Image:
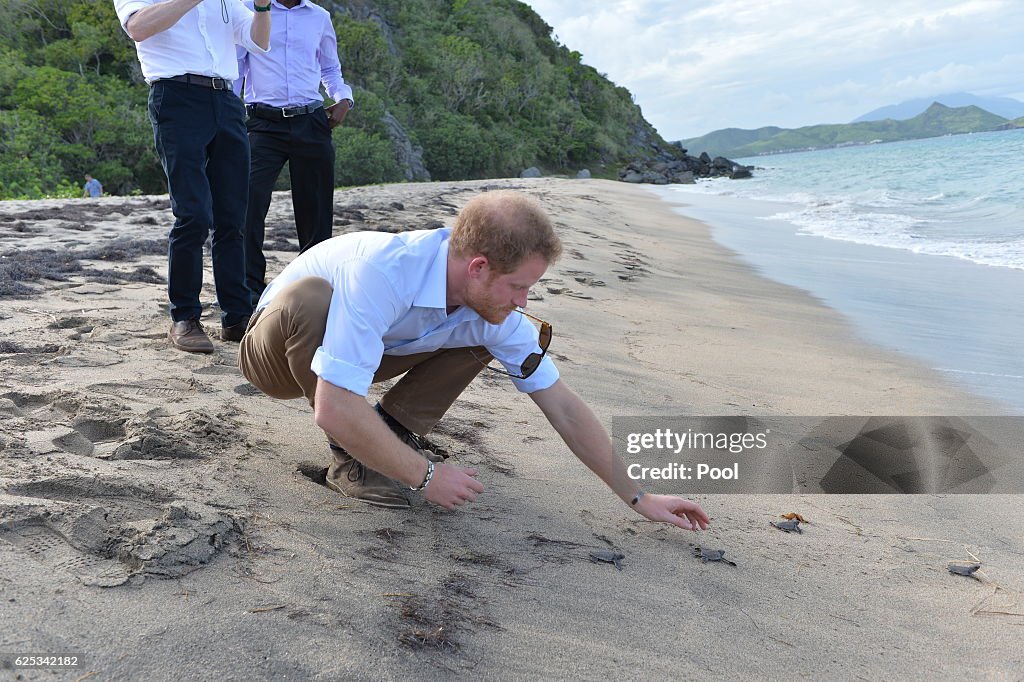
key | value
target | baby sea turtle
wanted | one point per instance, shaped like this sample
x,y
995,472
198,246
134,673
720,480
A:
x,y
605,557
706,555
963,569
788,526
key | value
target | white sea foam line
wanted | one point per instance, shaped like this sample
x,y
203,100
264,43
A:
x,y
984,374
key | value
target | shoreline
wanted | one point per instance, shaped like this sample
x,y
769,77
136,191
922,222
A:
x,y
157,514
935,310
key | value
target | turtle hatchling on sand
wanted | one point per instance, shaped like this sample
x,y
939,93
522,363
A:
x,y
790,526
963,569
606,557
706,555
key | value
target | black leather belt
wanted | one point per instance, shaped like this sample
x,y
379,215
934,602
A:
x,y
205,81
277,113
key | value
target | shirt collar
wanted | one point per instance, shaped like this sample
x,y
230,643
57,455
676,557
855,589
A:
x,y
302,3
434,292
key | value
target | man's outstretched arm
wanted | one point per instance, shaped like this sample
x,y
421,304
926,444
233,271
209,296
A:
x,y
581,430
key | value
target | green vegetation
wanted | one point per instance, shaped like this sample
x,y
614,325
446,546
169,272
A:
x,y
936,121
478,85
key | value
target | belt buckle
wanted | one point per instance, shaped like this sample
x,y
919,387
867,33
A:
x,y
218,83
285,114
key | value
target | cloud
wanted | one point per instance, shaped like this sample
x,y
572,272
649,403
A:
x,y
709,64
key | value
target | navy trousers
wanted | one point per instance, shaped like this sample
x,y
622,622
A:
x,y
305,143
203,147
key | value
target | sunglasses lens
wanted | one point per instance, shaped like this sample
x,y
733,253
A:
x,y
545,335
530,365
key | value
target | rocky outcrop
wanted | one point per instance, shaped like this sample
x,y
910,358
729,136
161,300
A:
x,y
409,156
531,172
683,170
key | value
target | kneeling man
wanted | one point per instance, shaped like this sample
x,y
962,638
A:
x,y
436,306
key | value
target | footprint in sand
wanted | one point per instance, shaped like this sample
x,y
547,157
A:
x,y
104,531
92,437
569,292
165,389
91,357
50,548
86,427
247,390
218,370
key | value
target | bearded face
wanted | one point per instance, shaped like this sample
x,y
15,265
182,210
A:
x,y
487,300
494,296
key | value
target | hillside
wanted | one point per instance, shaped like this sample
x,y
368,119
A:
x,y
1013,125
1006,107
935,121
444,89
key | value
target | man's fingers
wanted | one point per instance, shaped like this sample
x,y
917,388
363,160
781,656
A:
x,y
476,486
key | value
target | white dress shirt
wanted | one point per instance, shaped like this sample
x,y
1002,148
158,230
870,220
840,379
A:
x,y
390,297
200,42
305,54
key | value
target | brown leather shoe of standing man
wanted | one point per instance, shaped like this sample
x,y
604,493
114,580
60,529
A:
x,y
188,335
234,332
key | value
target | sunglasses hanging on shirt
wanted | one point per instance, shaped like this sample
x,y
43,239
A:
x,y
532,361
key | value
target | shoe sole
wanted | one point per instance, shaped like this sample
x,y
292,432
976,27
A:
x,y
376,503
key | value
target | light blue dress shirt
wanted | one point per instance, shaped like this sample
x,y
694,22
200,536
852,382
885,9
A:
x,y
305,53
390,297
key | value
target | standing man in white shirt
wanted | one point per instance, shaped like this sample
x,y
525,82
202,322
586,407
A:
x,y
436,306
187,52
288,123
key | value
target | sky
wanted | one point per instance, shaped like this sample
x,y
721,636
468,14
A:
x,y
695,66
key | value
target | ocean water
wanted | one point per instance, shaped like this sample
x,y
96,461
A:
x,y
919,243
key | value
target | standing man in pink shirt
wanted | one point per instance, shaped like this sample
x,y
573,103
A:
x,y
289,123
187,52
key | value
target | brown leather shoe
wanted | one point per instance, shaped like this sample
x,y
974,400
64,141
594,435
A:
x,y
349,477
234,332
188,335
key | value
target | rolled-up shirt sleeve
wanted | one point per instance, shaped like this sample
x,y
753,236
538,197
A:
x,y
241,27
330,65
126,8
363,307
514,348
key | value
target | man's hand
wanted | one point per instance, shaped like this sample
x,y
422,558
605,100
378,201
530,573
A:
x,y
452,486
675,510
336,113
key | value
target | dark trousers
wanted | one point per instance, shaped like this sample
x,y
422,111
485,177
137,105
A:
x,y
200,138
305,143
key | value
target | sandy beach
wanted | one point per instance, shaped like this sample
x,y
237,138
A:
x,y
162,519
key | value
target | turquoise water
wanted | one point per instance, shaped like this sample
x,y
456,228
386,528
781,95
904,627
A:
x,y
919,243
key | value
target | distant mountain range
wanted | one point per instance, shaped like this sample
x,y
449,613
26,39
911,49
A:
x,y
1000,106
935,121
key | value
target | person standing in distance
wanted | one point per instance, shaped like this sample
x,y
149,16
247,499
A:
x,y
288,123
92,187
187,52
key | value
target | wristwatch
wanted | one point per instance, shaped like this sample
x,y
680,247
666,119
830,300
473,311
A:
x,y
265,8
